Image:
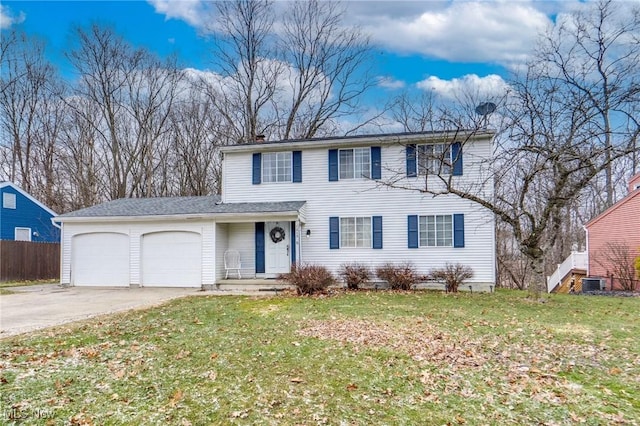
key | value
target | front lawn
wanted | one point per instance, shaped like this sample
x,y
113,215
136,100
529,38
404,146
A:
x,y
353,359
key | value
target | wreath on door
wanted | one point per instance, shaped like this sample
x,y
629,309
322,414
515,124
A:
x,y
277,234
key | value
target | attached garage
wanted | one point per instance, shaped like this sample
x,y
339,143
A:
x,y
100,259
171,259
159,242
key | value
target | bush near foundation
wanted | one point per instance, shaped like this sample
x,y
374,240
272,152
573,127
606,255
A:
x,y
453,275
355,274
399,277
309,279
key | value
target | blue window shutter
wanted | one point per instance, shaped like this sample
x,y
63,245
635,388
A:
x,y
377,232
293,242
411,161
456,157
376,163
297,166
412,231
334,232
259,247
458,230
333,165
257,168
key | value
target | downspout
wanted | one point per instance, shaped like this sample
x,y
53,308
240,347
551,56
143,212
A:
x,y
586,230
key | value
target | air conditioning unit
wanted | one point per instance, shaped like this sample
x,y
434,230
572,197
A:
x,y
592,284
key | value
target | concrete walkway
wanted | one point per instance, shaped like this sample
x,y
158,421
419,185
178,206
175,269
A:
x,y
41,306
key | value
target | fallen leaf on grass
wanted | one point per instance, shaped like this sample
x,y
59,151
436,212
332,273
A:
x,y
176,397
352,387
297,380
183,354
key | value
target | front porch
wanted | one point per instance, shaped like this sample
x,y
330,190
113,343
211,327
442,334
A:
x,y
252,250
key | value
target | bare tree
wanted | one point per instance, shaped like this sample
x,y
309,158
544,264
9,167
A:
x,y
196,134
618,260
553,143
596,53
133,93
328,72
246,57
28,85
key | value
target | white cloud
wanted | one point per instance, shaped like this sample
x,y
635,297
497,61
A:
x,y
8,18
481,87
190,11
461,31
390,83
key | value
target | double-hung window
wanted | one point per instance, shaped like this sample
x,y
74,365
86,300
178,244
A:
x,y
434,159
276,167
355,232
8,200
436,231
355,163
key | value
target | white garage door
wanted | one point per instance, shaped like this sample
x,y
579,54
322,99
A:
x,y
171,259
100,259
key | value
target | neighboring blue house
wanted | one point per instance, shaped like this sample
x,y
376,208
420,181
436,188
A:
x,y
23,218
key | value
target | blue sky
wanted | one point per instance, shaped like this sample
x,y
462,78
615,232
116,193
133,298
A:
x,y
421,45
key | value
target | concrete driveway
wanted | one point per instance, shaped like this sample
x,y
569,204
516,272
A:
x,y
42,306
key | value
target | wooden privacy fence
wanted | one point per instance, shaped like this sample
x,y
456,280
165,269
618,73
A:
x,y
25,260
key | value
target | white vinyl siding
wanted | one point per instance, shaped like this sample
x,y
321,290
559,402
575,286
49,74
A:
x,y
355,232
436,231
355,163
434,159
8,200
276,167
366,198
93,252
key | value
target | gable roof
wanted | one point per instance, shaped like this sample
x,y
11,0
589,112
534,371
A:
x,y
5,184
613,208
176,206
380,138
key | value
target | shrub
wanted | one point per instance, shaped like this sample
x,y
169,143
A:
x,y
355,274
400,277
309,279
452,275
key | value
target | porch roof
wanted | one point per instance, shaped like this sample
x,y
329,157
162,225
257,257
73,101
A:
x,y
178,207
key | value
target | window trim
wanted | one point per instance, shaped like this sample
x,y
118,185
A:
x,y
6,204
436,245
263,168
353,157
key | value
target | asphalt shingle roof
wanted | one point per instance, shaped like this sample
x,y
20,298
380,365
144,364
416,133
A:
x,y
163,206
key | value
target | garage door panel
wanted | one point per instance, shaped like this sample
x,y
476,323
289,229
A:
x,y
100,259
172,259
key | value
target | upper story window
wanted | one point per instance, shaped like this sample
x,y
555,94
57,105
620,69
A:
x,y
276,167
436,231
434,159
8,200
355,163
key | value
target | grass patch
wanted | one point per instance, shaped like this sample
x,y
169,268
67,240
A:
x,y
355,358
8,284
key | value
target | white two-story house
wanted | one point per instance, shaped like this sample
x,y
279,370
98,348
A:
x,y
324,201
